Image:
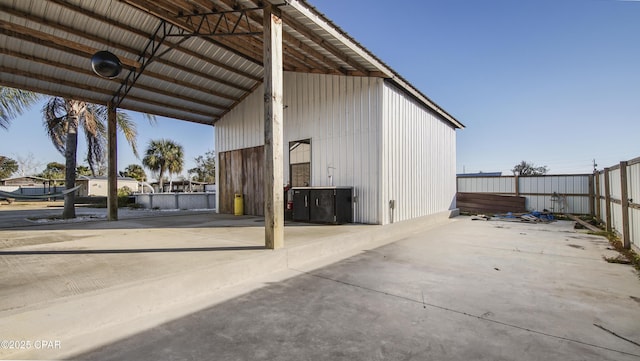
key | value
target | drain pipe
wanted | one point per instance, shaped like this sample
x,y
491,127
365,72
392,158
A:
x,y
392,206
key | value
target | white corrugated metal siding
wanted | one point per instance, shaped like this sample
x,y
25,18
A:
x,y
616,193
633,188
497,185
341,116
418,159
574,187
603,203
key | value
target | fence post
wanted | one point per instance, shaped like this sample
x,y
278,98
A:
x,y
517,185
607,199
626,238
598,204
591,196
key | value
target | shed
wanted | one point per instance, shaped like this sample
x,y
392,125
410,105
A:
x,y
25,181
97,186
369,133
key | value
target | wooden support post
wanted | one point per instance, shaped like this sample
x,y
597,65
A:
x,y
112,168
592,200
624,190
273,130
597,175
607,199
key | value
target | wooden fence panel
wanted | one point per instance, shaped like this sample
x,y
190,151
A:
x,y
573,190
490,203
242,171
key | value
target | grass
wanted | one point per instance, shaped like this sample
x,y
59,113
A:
x,y
625,256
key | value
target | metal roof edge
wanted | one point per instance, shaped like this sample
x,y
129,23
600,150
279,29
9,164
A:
x,y
426,101
329,26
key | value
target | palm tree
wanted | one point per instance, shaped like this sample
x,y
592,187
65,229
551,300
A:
x,y
13,102
164,156
63,118
134,171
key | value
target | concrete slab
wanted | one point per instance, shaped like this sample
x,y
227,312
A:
x,y
72,277
462,290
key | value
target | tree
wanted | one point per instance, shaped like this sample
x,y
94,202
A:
x,y
526,168
134,171
162,156
8,166
13,102
63,118
83,170
27,165
53,171
205,170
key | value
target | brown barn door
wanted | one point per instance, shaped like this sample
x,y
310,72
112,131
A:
x,y
242,171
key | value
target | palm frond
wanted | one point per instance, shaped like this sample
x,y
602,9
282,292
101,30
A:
x,y
150,118
55,122
128,128
14,102
95,150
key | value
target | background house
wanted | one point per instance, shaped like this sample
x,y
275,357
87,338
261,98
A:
x,y
97,186
25,181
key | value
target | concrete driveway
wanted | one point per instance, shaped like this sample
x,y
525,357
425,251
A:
x,y
468,290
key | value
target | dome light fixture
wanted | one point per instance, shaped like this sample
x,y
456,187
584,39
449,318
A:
x,y
106,64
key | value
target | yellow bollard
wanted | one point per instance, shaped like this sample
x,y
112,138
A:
x,y
238,205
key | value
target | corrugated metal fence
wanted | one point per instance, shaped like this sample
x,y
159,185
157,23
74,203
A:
x,y
608,195
616,190
558,193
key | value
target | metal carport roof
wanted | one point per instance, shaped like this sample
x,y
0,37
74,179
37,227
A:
x,y
46,46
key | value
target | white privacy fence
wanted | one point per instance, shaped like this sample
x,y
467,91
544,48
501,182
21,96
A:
x,y
617,200
611,195
194,200
558,193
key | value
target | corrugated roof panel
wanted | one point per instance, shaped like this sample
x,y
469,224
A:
x,y
174,102
83,26
49,88
169,112
208,69
206,98
223,56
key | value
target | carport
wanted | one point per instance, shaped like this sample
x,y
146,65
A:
x,y
189,60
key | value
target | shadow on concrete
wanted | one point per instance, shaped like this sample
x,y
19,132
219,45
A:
x,y
134,250
24,220
342,312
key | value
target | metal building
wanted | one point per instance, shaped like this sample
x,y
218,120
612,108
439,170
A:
x,y
265,73
368,133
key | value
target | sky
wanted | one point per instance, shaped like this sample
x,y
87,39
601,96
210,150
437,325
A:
x,y
550,82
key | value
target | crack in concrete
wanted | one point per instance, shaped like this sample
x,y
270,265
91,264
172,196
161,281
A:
x,y
421,302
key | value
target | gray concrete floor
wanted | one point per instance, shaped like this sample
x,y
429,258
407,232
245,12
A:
x,y
462,290
465,291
